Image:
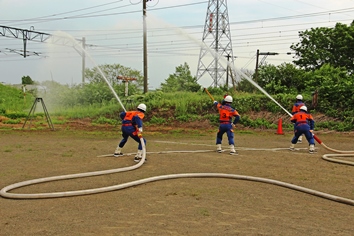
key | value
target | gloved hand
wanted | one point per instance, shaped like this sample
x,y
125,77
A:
x,y
140,135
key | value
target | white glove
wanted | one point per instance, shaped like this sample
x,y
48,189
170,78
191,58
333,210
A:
x,y
140,129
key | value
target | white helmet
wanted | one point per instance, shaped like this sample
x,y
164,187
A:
x,y
299,97
304,108
142,107
228,98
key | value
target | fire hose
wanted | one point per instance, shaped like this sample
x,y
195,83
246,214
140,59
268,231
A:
x,y
4,192
339,153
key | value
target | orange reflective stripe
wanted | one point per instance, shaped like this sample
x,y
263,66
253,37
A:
x,y
130,114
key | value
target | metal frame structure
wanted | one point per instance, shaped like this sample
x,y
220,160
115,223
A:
x,y
218,45
33,109
37,36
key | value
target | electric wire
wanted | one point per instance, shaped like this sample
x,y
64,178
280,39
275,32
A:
x,y
236,45
58,14
236,39
81,16
277,5
4,191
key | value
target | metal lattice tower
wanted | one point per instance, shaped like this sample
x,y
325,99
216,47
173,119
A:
x,y
217,51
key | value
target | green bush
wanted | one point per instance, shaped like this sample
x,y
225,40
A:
x,y
187,118
104,120
72,102
15,115
14,121
157,120
213,118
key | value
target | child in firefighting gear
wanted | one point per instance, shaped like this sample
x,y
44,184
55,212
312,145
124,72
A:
x,y
132,126
226,114
304,124
296,108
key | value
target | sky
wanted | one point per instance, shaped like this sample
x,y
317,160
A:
x,y
113,33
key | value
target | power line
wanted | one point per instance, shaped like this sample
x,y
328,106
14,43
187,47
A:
x,y
63,13
183,42
47,19
260,38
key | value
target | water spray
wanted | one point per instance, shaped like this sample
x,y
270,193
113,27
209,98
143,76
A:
x,y
4,192
212,52
77,45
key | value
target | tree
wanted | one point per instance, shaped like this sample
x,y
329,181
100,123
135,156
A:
x,y
322,45
335,88
111,72
244,84
285,78
27,80
181,80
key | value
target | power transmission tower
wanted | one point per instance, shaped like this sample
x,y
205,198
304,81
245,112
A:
x,y
217,44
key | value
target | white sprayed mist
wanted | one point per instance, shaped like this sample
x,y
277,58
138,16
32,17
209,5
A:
x,y
204,46
78,47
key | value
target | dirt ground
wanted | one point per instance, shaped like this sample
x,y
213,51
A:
x,y
184,206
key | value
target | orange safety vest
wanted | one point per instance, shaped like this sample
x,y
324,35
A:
x,y
226,113
129,115
301,117
296,107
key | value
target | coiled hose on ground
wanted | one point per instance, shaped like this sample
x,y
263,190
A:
x,y
331,157
5,191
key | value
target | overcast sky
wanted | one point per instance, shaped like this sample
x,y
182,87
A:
x,y
113,31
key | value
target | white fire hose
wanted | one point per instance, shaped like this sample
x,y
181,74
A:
x,y
5,191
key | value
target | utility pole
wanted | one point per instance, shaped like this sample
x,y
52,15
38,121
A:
x,y
229,71
145,48
265,54
126,80
256,72
83,59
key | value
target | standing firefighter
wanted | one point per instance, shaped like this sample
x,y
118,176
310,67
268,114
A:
x,y
304,124
132,126
226,113
296,108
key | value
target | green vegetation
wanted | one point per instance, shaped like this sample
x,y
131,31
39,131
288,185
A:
x,y
13,102
181,80
27,80
323,66
168,108
320,46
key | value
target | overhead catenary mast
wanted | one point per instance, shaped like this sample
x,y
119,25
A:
x,y
217,37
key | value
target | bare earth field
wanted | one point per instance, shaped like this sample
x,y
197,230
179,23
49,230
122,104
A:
x,y
185,206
